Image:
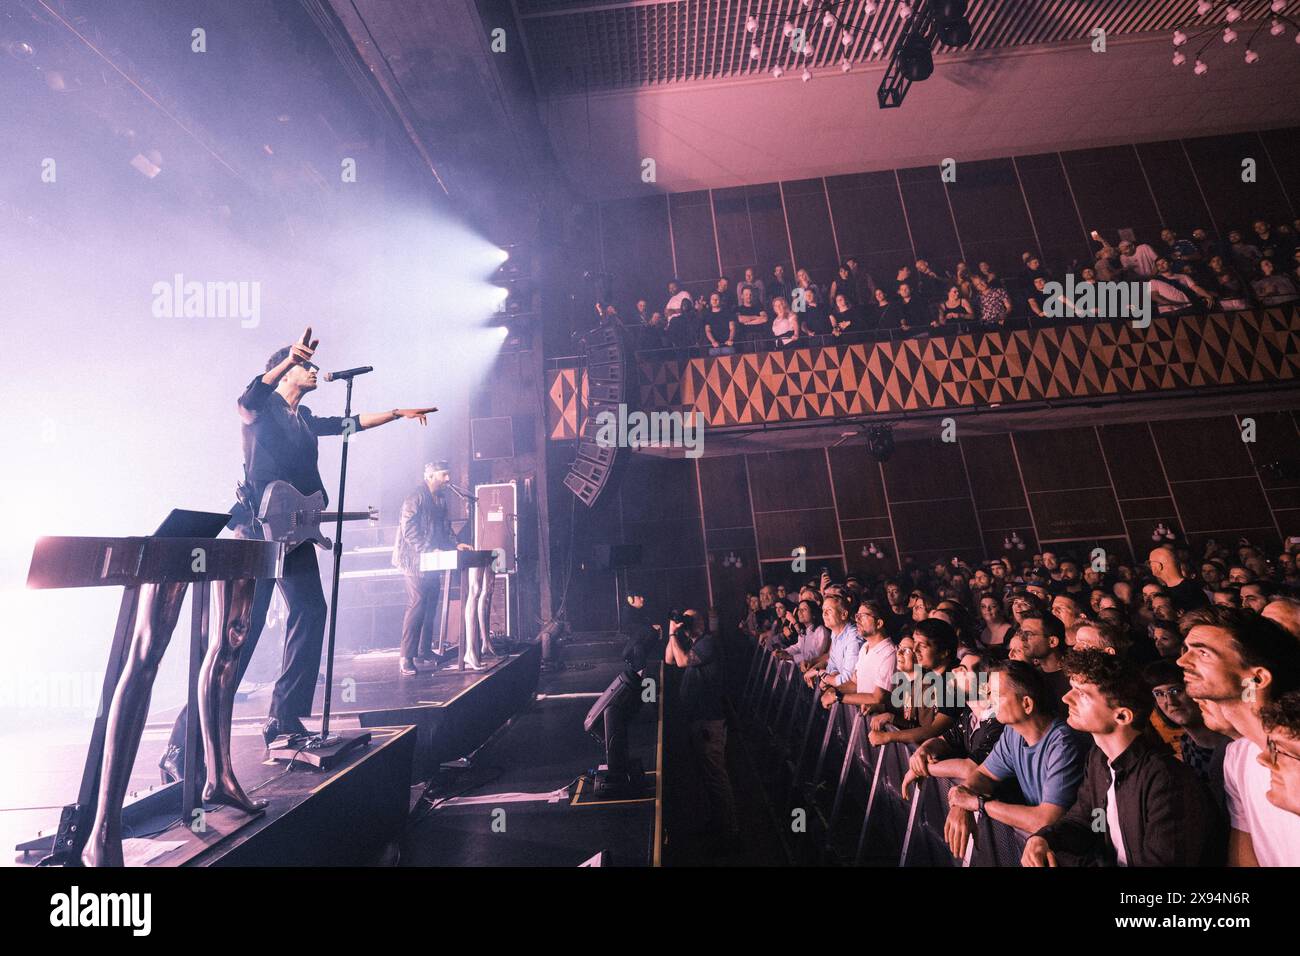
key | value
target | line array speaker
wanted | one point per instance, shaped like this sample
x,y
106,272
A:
x,y
606,365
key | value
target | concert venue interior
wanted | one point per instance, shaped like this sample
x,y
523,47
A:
x,y
807,432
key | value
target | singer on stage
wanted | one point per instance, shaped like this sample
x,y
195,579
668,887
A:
x,y
280,443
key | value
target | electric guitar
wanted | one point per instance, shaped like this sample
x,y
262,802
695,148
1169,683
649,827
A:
x,y
290,517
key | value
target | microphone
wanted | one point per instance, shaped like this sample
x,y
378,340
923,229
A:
x,y
347,373
460,491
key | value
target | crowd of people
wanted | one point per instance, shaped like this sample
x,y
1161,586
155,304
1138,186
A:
x,y
1117,714
1195,273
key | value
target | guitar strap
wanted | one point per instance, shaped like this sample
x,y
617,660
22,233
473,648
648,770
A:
x,y
243,515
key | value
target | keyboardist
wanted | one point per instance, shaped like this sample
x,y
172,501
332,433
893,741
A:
x,y
424,526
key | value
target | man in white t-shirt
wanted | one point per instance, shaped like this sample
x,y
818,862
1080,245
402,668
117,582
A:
x,y
873,677
677,300
1243,662
1138,259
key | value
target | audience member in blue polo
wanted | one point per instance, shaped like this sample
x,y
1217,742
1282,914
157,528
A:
x,y
1041,752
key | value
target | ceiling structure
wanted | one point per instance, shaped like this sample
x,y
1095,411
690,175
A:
x,y
625,81
579,46
582,92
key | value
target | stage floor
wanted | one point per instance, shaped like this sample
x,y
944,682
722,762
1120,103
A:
x,y
509,808
51,763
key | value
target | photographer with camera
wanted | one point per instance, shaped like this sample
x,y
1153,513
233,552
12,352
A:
x,y
700,700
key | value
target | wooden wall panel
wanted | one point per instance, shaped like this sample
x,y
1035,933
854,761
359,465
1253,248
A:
x,y
725,489
735,236
1111,191
789,480
935,500
991,464
1174,187
859,491
1199,448
767,225
780,532
637,249
1283,147
693,239
1060,458
810,229
869,222
1235,204
1061,235
929,216
1135,467
924,471
990,213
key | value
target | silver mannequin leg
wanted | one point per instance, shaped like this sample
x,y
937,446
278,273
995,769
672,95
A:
x,y
218,681
159,609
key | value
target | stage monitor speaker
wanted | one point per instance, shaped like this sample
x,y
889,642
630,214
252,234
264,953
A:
x,y
491,438
495,525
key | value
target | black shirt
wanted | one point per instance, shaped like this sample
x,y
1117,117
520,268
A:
x,y
683,330
1187,595
1166,816
815,319
701,688
425,525
719,324
777,288
279,444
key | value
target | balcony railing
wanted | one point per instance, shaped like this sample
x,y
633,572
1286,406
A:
x,y
940,371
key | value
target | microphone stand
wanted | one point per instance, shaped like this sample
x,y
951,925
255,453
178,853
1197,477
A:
x,y
325,750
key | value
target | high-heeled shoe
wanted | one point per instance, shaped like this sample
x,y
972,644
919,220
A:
x,y
172,765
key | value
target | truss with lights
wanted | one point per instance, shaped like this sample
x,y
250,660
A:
x,y
912,60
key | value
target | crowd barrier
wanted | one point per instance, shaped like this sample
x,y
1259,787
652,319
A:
x,y
843,795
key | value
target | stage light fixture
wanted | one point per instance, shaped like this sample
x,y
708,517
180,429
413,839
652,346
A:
x,y
914,60
954,28
880,442
955,33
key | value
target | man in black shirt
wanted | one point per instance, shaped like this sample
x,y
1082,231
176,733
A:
x,y
700,698
1185,593
719,322
280,444
424,526
1044,637
1137,805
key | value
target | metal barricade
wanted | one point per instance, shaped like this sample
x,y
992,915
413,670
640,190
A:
x,y
910,832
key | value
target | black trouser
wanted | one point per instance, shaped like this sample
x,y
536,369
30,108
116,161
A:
x,y
421,619
304,634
